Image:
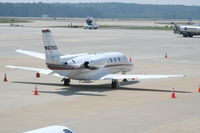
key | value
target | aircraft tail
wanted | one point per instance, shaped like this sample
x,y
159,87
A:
x,y
52,55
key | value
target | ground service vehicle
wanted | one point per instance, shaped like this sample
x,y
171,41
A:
x,y
90,23
187,30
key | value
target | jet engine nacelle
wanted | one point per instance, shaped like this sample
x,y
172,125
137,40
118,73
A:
x,y
94,64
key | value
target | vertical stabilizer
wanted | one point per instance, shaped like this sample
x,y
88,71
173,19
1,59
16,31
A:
x,y
52,54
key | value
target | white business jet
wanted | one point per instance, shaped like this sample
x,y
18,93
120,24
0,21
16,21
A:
x,y
84,67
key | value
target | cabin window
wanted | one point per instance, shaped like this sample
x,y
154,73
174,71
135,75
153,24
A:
x,y
110,59
115,59
119,58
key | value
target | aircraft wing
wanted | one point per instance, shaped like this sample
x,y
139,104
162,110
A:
x,y
135,77
104,77
40,70
31,53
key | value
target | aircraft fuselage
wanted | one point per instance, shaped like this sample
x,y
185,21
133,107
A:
x,y
92,66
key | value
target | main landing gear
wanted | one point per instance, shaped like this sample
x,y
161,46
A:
x,y
115,83
66,81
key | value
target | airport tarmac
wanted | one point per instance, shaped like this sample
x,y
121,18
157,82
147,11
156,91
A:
x,y
135,107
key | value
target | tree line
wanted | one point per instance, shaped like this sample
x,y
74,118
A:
x,y
100,10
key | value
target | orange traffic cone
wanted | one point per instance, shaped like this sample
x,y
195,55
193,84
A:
x,y
166,55
35,92
5,78
199,89
37,75
173,94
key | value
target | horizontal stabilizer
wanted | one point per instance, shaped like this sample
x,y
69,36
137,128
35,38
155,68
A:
x,y
42,56
31,53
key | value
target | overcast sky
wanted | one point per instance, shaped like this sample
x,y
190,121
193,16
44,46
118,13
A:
x,y
180,2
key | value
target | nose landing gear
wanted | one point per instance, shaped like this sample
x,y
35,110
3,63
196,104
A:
x,y
66,81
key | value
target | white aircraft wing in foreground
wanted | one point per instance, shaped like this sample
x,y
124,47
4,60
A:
x,y
98,66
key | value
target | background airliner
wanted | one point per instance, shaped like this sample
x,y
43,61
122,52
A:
x,y
84,66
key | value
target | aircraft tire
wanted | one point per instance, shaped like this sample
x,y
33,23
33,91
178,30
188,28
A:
x,y
66,82
115,83
190,35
